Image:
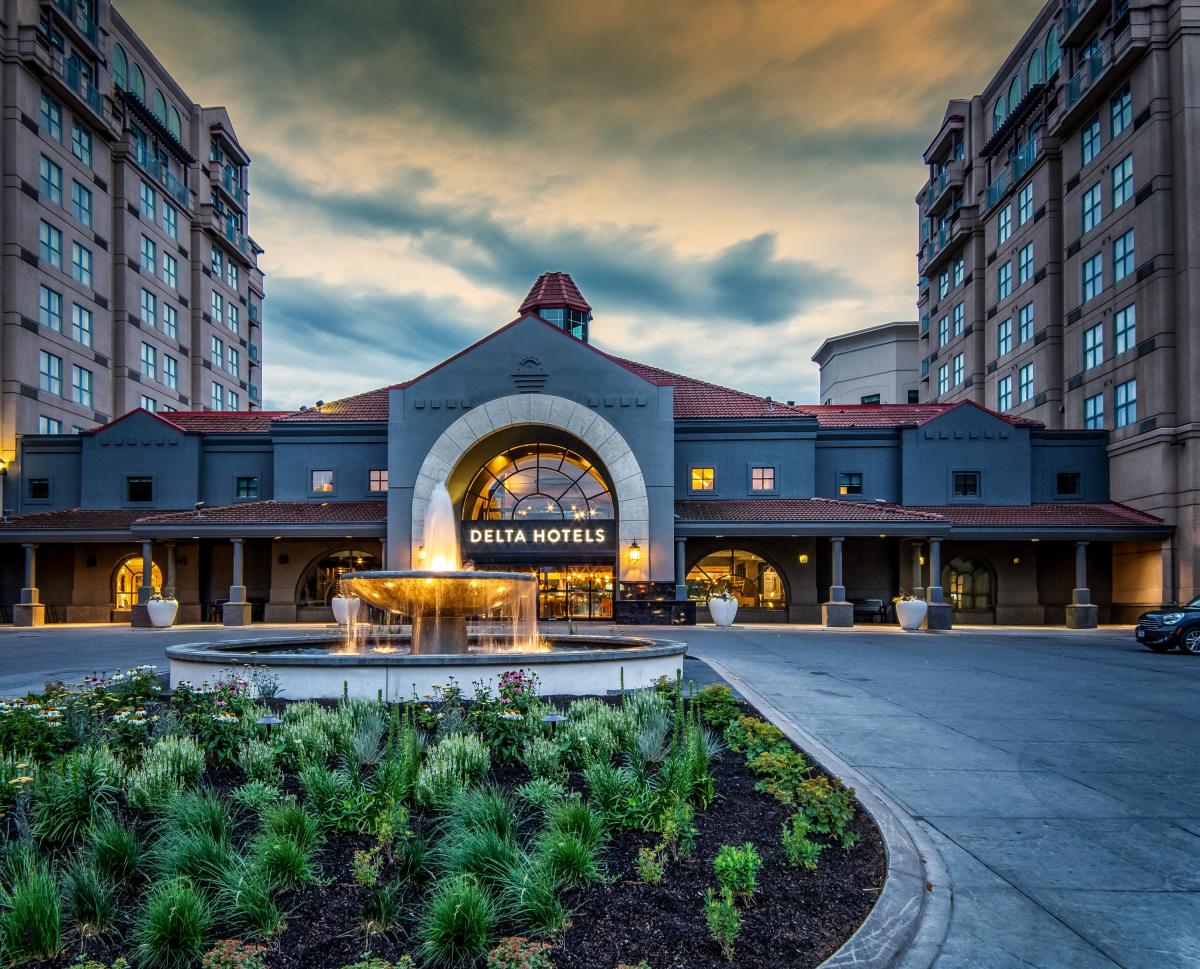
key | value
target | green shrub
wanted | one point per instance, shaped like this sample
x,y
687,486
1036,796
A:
x,y
800,850
257,759
572,816
458,923
382,910
199,812
529,896
114,852
70,795
540,793
641,706
149,788
611,790
737,870
409,857
828,806
484,853
234,954
286,863
88,898
723,919
244,901
569,859
544,760
194,855
254,796
290,820
751,736
31,922
451,765
377,963
171,928
651,865
718,706
514,952
181,755
483,809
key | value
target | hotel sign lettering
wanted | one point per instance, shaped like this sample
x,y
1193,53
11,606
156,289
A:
x,y
504,539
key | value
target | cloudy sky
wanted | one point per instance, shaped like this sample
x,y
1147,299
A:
x,y
729,181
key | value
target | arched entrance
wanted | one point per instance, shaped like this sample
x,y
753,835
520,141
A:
x,y
127,579
970,587
755,582
319,582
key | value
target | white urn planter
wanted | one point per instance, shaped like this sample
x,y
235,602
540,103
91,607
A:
x,y
911,613
722,610
345,609
162,612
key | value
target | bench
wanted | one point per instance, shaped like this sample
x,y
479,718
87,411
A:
x,y
874,609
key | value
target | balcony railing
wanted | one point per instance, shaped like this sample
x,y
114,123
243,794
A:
x,y
252,351
163,174
237,238
77,13
999,186
252,392
1076,9
252,312
79,81
1023,160
1086,76
232,186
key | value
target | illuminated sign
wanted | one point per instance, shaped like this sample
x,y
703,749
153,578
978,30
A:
x,y
508,539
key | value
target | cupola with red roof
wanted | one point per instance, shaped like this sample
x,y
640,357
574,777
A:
x,y
556,299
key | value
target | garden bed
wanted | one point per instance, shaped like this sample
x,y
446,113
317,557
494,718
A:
x,y
569,834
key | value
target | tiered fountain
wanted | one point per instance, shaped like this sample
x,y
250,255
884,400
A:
x,y
441,622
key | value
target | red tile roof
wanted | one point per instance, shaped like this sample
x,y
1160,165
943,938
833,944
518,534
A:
x,y
225,422
553,290
700,399
1064,514
77,519
371,405
796,510
896,415
277,513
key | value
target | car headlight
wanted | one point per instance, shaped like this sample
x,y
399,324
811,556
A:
x,y
1171,618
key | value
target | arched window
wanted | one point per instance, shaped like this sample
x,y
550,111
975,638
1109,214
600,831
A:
x,y
753,580
128,579
1034,74
969,584
319,583
538,482
174,125
137,82
1053,53
1014,93
120,66
160,106
998,113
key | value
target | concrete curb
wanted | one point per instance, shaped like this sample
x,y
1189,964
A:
x,y
908,924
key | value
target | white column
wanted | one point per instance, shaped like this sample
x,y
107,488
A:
x,y
837,591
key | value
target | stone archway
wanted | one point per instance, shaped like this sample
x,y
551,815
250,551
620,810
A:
x,y
523,410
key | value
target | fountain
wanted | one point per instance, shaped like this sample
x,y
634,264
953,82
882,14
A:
x,y
442,622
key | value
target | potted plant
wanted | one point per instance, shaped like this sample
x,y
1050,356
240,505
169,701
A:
x,y
162,610
722,606
910,611
345,609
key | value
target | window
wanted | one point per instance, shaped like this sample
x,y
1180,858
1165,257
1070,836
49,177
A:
x,y
1033,74
139,489
1025,383
218,307
1093,346
958,369
914,396
170,376
1025,204
1125,329
1121,108
1093,210
149,256
1123,256
869,399
750,579
232,317
943,284
170,270
1093,277
1004,225
50,373
170,321
217,262
81,325
377,480
231,274
943,331
50,180
999,109
1053,52
1004,338
149,199
81,263
51,117
1014,93
160,106
1122,182
762,479
120,66
149,308
959,319
1093,413
170,221
233,401
960,266
1125,404
137,82
1090,141
50,245
81,385
966,484
537,481
1025,323
850,483
81,143
233,361
1004,281
217,352
48,425
703,479
1025,264
50,309
944,378
39,489
81,203
322,482
217,398
247,486
149,361
1004,394
1067,484
174,124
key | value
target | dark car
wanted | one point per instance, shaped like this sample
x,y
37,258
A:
x,y
1171,626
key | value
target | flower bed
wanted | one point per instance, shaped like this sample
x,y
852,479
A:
x,y
223,826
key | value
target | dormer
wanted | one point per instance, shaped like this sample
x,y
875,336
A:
x,y
557,300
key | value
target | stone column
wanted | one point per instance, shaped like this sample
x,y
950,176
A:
x,y
139,615
236,612
169,584
837,611
1081,614
681,592
29,611
918,586
941,613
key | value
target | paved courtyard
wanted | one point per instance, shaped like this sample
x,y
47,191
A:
x,y
1057,772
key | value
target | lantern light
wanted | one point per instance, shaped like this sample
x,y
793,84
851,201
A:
x,y
635,553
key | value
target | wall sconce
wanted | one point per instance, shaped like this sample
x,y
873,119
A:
x,y
804,558
920,559
421,554
634,553
1016,560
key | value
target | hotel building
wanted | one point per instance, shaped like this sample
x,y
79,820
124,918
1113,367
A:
x,y
129,279
1059,269
631,492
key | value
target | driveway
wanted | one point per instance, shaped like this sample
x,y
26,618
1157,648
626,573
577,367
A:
x,y
1057,772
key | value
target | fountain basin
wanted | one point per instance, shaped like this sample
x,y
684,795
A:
x,y
319,667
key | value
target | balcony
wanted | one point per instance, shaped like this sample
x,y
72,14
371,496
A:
x,y
252,392
999,188
939,249
948,183
226,179
77,16
252,312
252,352
155,168
1023,160
1085,90
1080,18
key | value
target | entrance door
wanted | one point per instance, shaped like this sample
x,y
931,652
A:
x,y
570,592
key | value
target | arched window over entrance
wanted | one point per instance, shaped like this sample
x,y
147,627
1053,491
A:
x,y
969,585
538,482
756,583
319,584
128,579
